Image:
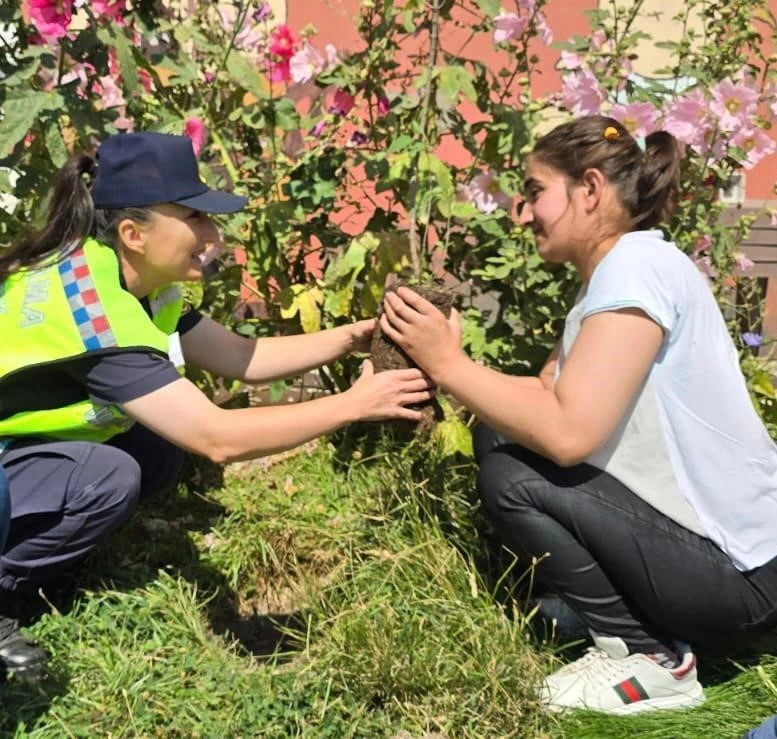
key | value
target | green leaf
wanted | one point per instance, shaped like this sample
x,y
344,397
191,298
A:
x,y
20,111
56,144
490,7
116,39
453,437
243,72
454,81
305,300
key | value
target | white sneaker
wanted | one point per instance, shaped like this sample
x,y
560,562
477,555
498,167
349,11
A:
x,y
611,680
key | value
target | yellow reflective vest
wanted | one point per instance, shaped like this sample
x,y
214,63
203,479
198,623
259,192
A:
x,y
68,309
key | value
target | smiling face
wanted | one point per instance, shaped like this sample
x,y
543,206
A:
x,y
551,210
170,247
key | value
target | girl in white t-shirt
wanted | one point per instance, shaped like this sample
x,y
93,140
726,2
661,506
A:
x,y
633,470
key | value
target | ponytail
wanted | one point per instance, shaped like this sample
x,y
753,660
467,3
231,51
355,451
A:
x,y
658,181
69,222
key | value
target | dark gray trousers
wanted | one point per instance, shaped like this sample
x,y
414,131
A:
x,y
625,568
66,496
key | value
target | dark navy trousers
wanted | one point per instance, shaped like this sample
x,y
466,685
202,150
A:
x,y
66,496
625,568
5,509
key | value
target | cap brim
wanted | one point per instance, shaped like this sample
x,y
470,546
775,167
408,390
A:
x,y
214,201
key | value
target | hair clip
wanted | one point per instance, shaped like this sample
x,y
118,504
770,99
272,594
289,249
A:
x,y
640,141
611,133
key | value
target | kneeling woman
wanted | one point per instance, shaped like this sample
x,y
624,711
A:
x,y
93,331
634,469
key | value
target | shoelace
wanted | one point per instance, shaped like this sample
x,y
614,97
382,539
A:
x,y
592,654
605,671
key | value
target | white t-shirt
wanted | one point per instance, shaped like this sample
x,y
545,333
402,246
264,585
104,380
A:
x,y
691,443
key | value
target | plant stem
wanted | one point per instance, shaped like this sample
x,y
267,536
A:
x,y
415,259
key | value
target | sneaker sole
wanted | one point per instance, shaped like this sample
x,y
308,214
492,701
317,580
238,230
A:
x,y
678,702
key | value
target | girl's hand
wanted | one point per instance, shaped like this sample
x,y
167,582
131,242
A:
x,y
417,326
384,395
360,335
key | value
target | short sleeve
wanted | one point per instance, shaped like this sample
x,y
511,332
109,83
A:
x,y
636,275
188,320
123,376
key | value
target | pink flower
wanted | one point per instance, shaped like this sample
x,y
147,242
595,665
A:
x,y
509,25
743,264
639,119
773,218
485,193
317,129
342,103
703,244
755,143
283,42
332,57
123,122
145,79
598,40
358,138
280,71
194,128
82,73
262,13
705,267
570,61
109,92
107,10
581,93
383,105
51,18
733,104
687,117
546,33
306,63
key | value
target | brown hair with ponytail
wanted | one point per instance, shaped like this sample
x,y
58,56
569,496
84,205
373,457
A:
x,y
71,218
647,182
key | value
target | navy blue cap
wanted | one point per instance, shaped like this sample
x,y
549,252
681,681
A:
x,y
138,169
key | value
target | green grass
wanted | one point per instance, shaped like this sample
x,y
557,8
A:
x,y
322,597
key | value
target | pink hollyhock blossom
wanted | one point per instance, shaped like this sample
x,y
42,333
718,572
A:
x,y
146,79
123,122
51,18
383,105
485,193
194,128
703,245
358,138
82,73
598,40
639,119
283,42
342,103
742,262
705,267
109,92
546,33
581,93
280,71
263,13
332,57
509,25
756,144
773,218
106,10
306,63
317,129
734,104
687,117
570,61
